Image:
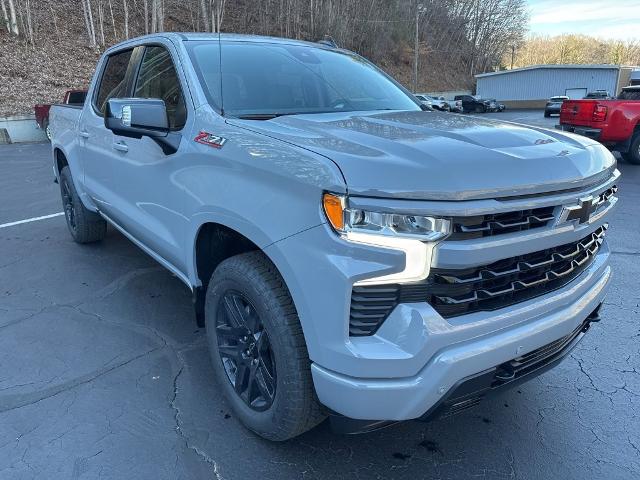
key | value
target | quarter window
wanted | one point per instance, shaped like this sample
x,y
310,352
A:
x,y
158,79
114,79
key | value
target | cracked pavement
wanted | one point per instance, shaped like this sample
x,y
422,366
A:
x,y
104,374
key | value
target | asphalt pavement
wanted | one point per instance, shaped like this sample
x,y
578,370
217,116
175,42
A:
x,y
104,374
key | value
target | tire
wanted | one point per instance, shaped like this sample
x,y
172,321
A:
x,y
263,341
47,131
547,114
84,225
633,155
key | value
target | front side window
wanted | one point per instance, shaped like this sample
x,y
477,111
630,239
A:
x,y
114,79
282,79
158,79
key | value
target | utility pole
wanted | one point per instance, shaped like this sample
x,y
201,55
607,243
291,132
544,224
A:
x,y
419,9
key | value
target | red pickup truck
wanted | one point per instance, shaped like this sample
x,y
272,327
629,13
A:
x,y
71,97
614,123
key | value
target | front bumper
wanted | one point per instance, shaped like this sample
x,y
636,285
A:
x,y
419,395
593,133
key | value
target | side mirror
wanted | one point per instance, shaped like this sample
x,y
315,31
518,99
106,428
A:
x,y
141,117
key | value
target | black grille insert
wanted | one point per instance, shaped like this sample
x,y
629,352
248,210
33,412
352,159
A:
x,y
465,228
513,280
490,287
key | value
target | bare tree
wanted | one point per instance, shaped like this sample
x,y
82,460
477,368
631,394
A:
x,y
13,23
5,16
125,8
88,21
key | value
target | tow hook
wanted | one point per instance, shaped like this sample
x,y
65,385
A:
x,y
505,373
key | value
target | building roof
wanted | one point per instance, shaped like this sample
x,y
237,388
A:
x,y
555,67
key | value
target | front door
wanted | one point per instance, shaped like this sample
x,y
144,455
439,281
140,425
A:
x,y
147,179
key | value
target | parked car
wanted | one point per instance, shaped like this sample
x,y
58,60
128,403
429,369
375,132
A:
x,y
349,254
438,103
598,95
553,105
456,106
425,101
494,106
613,123
473,104
71,97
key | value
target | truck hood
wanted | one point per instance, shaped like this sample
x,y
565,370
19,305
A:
x,y
442,156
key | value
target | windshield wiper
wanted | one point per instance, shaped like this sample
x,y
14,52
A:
x,y
270,116
260,116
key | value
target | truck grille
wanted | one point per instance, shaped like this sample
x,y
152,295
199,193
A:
x,y
459,292
466,228
503,283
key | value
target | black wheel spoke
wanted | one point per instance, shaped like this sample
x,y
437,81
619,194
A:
x,y
242,373
245,350
230,351
266,387
226,331
234,311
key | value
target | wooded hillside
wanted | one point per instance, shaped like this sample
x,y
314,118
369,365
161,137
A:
x,y
579,49
48,46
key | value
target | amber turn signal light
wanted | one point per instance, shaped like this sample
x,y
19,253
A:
x,y
334,210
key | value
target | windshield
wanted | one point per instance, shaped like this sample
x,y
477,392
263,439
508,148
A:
x,y
270,79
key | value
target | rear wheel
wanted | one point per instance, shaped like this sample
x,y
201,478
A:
x,y
547,114
84,225
258,350
47,131
480,109
633,155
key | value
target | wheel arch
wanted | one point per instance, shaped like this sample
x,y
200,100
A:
x,y
215,241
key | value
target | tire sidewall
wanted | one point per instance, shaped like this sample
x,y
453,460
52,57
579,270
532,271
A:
x,y
65,177
223,280
633,156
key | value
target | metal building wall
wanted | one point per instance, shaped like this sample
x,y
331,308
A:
x,y
542,83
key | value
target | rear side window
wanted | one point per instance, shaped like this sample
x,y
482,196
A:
x,y
158,79
114,79
77,98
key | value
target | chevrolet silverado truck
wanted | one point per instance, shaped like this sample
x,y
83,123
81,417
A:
x,y
350,255
41,110
614,123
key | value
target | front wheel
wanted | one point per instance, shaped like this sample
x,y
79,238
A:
x,y
258,350
633,155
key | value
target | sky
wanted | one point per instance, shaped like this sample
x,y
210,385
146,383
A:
x,y
619,19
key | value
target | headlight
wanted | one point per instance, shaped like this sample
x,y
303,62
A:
x,y
349,220
415,235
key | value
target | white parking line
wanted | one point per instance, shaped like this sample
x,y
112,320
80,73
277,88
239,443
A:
x,y
29,220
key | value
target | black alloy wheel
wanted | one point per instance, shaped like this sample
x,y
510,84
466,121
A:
x,y
245,351
67,204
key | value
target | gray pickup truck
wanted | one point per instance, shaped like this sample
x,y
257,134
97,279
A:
x,y
349,254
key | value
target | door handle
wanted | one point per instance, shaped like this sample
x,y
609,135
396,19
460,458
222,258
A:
x,y
84,134
121,147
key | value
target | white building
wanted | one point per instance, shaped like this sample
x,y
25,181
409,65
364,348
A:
x,y
531,87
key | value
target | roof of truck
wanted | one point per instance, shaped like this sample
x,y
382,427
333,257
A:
x,y
192,36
